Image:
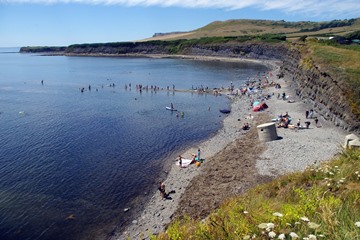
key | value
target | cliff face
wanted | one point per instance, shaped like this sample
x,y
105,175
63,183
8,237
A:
x,y
321,91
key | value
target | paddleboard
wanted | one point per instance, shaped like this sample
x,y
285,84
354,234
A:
x,y
171,109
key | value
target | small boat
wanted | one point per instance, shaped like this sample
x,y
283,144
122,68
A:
x,y
226,111
171,109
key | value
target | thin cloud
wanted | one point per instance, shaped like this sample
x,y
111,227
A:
x,y
307,7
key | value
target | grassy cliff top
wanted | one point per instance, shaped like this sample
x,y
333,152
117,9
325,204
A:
x,y
258,27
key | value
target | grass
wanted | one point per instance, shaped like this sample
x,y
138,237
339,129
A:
x,y
323,202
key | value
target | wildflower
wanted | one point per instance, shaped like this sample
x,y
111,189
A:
x,y
357,224
293,235
312,237
289,224
281,236
321,235
262,225
247,237
270,225
331,173
328,184
277,214
297,223
357,172
305,219
313,225
245,212
272,234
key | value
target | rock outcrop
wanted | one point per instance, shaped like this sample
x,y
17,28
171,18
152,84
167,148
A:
x,y
322,92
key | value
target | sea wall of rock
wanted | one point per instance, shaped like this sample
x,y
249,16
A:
x,y
325,94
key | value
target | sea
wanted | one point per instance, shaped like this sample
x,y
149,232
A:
x,y
79,164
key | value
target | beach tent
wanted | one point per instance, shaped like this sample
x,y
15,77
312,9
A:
x,y
257,108
263,105
256,103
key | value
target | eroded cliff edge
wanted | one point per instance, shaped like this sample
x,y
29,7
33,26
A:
x,y
326,94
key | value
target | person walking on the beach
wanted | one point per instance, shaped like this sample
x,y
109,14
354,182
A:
x,y
316,121
180,161
162,190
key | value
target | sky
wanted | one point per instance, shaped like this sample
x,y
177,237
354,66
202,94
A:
x,y
66,22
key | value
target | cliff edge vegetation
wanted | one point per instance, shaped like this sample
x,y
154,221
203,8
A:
x,y
323,202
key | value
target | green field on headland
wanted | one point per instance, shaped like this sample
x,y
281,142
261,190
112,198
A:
x,y
323,202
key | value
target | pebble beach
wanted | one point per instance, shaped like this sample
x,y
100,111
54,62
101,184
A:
x,y
293,151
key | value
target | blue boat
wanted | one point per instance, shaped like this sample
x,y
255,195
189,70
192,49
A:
x,y
226,111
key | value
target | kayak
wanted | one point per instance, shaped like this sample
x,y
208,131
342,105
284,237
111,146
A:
x,y
171,109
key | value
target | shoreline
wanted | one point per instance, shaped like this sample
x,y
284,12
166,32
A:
x,y
229,132
267,163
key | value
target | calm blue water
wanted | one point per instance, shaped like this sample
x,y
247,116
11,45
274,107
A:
x,y
92,154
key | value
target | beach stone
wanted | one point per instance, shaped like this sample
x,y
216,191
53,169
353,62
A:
x,y
126,209
135,222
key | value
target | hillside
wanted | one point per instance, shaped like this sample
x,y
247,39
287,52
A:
x,y
291,30
320,203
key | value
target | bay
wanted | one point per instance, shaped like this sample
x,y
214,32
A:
x,y
72,161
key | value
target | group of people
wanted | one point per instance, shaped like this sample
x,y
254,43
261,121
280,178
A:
x,y
283,120
195,158
161,187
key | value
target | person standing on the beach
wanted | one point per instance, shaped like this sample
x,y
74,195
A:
x,y
180,161
198,154
162,190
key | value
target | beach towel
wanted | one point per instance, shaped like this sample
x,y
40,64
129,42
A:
x,y
185,162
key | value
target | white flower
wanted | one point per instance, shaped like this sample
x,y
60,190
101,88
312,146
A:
x,y
313,225
245,212
271,225
357,172
277,214
297,223
281,236
312,237
305,219
263,225
272,234
247,237
293,235
357,224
